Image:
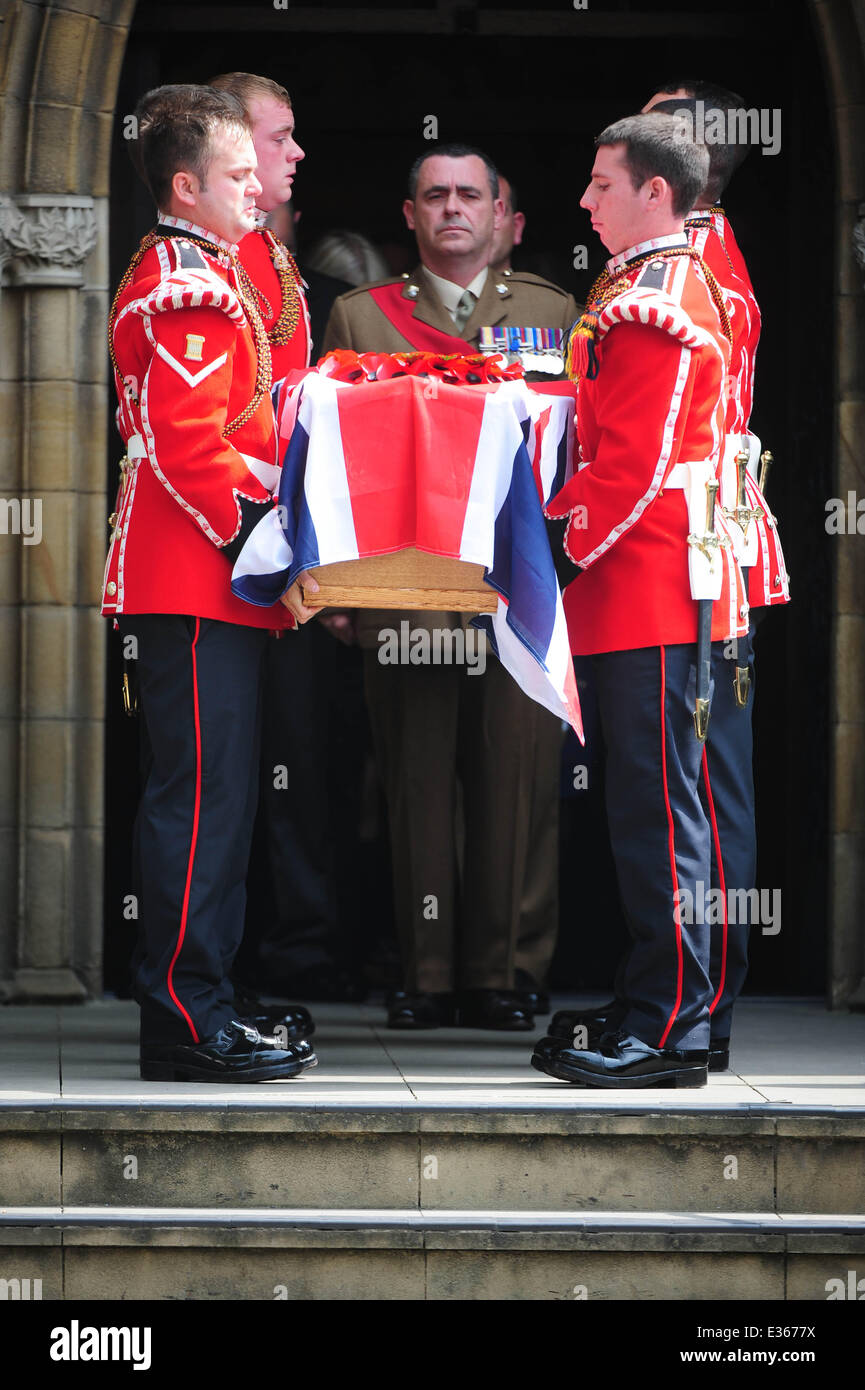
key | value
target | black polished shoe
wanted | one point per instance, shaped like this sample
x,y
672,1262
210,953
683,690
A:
x,y
602,1017
623,1061
292,1020
595,1028
237,1053
493,1008
531,996
409,1011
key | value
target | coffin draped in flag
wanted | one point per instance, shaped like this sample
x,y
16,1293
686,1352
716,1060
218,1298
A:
x,y
459,471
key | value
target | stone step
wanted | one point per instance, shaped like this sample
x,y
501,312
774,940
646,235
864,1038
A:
x,y
93,1253
771,1158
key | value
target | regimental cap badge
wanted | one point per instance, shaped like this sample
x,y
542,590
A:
x,y
194,344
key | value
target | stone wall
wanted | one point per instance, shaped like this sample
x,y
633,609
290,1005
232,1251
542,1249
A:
x,y
842,27
59,65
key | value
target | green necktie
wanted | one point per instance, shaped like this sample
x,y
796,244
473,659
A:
x,y
465,306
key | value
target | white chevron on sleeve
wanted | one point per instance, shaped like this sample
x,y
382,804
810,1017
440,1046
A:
x,y
191,378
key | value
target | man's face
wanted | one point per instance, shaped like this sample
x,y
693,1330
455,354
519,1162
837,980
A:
x,y
453,214
510,233
665,96
225,202
278,152
618,211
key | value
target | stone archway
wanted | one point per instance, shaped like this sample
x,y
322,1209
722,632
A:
x,y
59,67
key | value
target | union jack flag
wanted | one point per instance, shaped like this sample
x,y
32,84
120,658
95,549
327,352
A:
x,y
460,471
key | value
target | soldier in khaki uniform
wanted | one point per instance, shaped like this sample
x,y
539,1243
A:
x,y
457,889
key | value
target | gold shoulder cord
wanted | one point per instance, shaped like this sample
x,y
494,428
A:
x,y
288,275
608,286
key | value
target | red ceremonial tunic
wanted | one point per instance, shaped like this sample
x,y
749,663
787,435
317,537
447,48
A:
x,y
256,253
657,401
710,233
186,368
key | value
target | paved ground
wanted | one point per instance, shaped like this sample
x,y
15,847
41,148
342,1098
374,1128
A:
x,y
785,1052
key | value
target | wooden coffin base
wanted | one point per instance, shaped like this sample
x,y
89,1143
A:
x,y
408,579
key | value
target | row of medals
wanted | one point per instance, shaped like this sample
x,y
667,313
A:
x,y
536,349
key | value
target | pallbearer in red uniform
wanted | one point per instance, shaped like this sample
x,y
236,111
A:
x,y
727,787
728,780
652,353
193,376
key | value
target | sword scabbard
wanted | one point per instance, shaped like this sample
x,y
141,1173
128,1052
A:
x,y
701,719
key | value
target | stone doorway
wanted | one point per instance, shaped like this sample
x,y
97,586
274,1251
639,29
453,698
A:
x,y
61,112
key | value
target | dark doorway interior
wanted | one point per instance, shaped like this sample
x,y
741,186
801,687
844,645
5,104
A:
x,y
532,87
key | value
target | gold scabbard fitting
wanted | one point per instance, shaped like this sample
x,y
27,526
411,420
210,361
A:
x,y
130,700
701,719
742,685
767,458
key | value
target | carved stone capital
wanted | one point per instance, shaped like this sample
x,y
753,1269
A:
x,y
45,238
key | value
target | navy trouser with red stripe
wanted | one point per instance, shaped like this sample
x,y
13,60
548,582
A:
x,y
661,839
199,683
727,792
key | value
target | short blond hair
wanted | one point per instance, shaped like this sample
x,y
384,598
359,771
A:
x,y
246,86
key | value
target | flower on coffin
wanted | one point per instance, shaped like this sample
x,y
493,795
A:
x,y
343,364
456,370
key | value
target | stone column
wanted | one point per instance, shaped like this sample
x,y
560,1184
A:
x,y
841,26
847,951
53,254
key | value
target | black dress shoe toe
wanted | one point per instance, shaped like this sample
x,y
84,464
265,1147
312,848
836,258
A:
x,y
237,1053
293,1020
622,1061
497,1009
408,1011
288,1022
530,994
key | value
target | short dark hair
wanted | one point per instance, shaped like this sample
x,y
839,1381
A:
x,y
176,126
712,93
452,150
661,146
246,86
513,200
724,159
